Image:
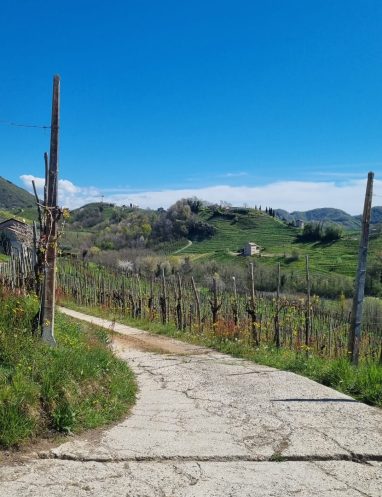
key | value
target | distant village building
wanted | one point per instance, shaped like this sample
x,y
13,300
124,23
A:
x,y
300,224
13,235
251,248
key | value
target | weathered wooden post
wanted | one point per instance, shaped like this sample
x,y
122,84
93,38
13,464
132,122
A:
x,y
51,212
197,300
179,304
39,209
151,298
163,299
356,317
235,306
251,309
277,313
140,300
214,302
307,311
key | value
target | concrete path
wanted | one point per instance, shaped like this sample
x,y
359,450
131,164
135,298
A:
x,y
189,243
208,425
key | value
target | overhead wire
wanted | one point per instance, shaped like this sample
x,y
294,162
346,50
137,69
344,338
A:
x,y
20,125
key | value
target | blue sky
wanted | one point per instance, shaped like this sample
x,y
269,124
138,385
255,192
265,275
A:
x,y
243,101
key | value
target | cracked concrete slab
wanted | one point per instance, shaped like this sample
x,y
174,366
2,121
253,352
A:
x,y
192,479
207,424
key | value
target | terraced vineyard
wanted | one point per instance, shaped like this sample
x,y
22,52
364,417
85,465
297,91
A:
x,y
234,228
279,243
233,231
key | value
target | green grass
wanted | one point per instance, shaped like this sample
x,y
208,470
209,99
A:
x,y
75,386
18,214
72,240
363,383
30,214
173,247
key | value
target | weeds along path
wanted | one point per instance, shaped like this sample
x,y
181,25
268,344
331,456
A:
x,y
206,424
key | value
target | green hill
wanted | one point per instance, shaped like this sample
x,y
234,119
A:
x,y
110,227
235,228
14,197
95,216
326,214
376,215
279,242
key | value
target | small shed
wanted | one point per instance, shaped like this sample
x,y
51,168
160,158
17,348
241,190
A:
x,y
300,223
14,234
251,248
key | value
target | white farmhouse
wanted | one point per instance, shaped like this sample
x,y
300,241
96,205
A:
x,y
251,248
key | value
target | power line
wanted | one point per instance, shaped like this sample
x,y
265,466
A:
x,y
18,125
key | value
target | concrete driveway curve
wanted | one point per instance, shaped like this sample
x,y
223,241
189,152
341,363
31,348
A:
x,y
209,425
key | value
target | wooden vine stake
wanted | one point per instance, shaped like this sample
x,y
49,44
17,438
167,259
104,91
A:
x,y
235,306
51,216
251,309
277,313
214,302
151,298
179,303
163,299
308,304
197,300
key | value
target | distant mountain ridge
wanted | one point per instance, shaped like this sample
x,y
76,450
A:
x,y
14,197
329,214
376,215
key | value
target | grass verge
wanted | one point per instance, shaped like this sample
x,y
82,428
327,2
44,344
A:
x,y
363,383
75,386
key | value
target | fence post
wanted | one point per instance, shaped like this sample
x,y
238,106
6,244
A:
x,y
307,311
277,314
197,299
356,318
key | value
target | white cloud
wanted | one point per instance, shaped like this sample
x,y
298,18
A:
x,y
67,186
288,195
28,178
69,195
234,175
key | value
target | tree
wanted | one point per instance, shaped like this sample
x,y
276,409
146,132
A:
x,y
196,205
332,232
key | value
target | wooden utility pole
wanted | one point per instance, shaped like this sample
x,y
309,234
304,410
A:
x,y
46,162
51,214
356,319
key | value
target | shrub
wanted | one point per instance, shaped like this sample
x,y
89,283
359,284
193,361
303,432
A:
x,y
317,232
